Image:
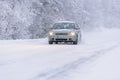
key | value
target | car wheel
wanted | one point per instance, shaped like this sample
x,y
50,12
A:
x,y
56,42
75,42
50,42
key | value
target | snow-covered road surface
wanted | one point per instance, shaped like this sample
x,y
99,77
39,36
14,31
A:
x,y
95,58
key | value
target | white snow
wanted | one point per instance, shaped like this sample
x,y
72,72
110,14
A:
x,y
95,58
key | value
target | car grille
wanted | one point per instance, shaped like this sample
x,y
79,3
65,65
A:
x,y
61,39
61,33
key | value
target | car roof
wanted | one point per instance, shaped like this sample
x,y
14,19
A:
x,y
65,22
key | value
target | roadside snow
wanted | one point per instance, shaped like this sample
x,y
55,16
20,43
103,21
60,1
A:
x,y
106,68
95,58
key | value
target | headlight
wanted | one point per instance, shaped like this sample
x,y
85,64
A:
x,y
51,33
72,33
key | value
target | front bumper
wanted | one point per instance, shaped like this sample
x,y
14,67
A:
x,y
62,38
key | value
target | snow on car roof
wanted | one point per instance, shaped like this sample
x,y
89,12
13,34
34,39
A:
x,y
65,22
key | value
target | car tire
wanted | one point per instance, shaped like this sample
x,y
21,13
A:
x,y
56,42
50,42
75,42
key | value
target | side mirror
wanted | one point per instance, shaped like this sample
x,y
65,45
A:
x,y
77,28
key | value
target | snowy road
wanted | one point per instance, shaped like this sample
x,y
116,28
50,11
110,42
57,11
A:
x,y
36,60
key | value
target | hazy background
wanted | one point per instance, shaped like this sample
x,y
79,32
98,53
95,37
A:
x,y
31,19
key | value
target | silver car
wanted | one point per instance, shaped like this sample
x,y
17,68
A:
x,y
65,31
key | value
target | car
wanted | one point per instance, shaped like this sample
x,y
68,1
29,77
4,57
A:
x,y
64,31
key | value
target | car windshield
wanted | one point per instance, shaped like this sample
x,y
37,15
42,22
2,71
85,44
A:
x,y
64,26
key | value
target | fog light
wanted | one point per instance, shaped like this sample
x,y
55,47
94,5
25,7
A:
x,y
70,39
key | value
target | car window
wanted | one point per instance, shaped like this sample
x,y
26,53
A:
x,y
64,26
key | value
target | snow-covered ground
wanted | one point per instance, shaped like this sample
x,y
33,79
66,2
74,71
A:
x,y
95,58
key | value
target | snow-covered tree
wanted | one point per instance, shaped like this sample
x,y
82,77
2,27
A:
x,y
24,19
